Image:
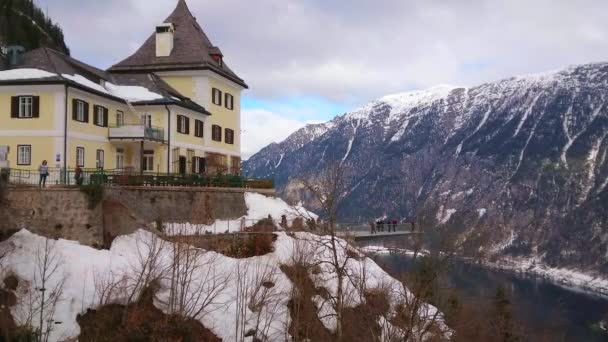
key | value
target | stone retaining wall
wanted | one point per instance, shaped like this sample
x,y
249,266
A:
x,y
64,212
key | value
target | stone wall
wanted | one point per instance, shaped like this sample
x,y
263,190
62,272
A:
x,y
65,212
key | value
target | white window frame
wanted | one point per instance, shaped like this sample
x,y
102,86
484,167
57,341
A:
x,y
80,156
183,123
24,154
80,110
120,160
100,157
120,118
148,162
26,107
216,96
146,120
100,116
229,104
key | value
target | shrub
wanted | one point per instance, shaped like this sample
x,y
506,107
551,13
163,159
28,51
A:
x,y
94,193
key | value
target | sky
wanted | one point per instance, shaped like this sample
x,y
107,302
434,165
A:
x,y
308,61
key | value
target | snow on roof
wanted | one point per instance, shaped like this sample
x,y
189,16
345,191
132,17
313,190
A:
x,y
129,93
132,93
24,74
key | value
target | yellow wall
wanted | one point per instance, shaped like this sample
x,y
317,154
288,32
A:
x,y
42,149
183,84
44,122
224,117
187,138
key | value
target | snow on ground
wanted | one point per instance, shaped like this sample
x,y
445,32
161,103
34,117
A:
x,y
24,74
482,212
568,278
444,215
258,207
83,268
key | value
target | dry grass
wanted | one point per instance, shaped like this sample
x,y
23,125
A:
x,y
144,323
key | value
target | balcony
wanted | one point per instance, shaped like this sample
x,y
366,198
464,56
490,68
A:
x,y
137,133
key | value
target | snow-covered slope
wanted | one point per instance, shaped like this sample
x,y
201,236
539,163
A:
x,y
525,157
82,269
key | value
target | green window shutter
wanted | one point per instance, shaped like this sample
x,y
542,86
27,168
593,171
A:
x,y
35,106
86,112
74,109
95,115
15,107
105,117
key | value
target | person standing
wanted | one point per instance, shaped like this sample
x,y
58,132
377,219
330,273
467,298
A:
x,y
44,173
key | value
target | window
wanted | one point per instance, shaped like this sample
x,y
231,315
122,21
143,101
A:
x,y
216,133
229,101
100,116
120,118
80,156
175,159
183,124
99,158
190,159
148,161
80,111
229,136
120,158
216,96
24,154
198,128
146,120
26,105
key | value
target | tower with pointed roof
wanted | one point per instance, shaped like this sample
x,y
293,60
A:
x,y
182,55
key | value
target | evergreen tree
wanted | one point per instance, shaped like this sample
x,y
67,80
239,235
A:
x,y
23,23
502,318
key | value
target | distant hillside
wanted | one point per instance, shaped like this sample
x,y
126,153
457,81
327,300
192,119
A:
x,y
517,166
23,23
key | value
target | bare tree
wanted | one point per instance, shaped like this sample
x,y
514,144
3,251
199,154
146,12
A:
x,y
197,284
146,269
41,300
329,190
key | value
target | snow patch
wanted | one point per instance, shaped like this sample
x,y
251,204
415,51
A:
x,y
24,74
482,212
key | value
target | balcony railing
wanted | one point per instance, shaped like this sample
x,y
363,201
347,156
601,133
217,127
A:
x,y
137,132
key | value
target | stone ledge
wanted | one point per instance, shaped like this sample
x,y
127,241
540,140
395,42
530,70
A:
x,y
270,192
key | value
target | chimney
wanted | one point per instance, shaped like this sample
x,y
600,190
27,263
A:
x,y
164,39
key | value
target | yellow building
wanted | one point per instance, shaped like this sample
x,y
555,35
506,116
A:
x,y
171,107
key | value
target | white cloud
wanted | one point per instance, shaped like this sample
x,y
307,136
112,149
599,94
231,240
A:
x,y
262,127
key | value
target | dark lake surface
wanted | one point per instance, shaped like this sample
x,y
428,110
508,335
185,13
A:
x,y
539,303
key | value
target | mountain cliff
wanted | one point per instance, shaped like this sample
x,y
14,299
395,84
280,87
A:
x,y
518,166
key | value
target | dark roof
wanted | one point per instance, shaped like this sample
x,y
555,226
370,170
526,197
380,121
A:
x,y
156,85
58,63
192,50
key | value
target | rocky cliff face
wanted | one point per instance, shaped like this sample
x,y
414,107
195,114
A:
x,y
517,166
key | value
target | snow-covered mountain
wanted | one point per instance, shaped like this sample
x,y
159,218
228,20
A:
x,y
516,166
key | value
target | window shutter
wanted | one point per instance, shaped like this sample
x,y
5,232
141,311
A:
x,y
201,165
187,125
35,106
179,124
194,164
15,107
86,112
74,109
95,115
105,117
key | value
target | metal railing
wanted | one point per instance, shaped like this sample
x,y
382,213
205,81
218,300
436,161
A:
x,y
131,178
137,132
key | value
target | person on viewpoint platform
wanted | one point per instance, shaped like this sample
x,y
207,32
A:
x,y
44,172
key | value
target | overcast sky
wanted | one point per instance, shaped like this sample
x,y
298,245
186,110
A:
x,y
307,61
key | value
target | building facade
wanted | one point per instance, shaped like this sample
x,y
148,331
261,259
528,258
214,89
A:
x,y
171,107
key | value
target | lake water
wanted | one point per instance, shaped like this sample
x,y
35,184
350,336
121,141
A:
x,y
539,303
